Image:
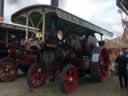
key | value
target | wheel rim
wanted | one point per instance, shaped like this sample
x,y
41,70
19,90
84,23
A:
x,y
38,76
104,62
7,72
71,80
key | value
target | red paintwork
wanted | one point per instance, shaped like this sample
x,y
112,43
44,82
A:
x,y
23,58
12,52
71,80
26,59
38,76
104,62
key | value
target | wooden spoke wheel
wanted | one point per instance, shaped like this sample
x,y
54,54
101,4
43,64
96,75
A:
x,y
36,76
100,63
104,64
7,71
68,79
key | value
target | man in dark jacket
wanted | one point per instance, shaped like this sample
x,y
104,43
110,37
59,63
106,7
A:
x,y
121,62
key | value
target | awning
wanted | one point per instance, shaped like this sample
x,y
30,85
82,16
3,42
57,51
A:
x,y
61,14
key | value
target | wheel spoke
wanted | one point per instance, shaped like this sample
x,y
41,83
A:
x,y
103,64
71,80
37,76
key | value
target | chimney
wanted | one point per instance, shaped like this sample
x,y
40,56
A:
x,y
1,10
55,3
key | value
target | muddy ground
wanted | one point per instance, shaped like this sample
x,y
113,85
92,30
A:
x,y
86,88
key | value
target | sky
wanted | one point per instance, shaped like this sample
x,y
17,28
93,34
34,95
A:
x,y
103,13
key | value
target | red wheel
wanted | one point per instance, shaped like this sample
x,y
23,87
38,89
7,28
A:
x,y
36,76
100,63
7,71
69,79
104,62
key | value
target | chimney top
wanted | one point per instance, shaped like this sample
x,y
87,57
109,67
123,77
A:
x,y
55,3
1,10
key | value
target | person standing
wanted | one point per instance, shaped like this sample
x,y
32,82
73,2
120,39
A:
x,y
121,64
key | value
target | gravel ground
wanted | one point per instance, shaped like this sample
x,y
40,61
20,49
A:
x,y
86,88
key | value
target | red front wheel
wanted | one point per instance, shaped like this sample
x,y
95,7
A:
x,y
36,76
69,79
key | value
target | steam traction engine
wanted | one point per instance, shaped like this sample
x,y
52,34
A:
x,y
68,47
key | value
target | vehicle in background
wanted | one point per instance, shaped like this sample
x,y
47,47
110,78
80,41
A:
x,y
12,39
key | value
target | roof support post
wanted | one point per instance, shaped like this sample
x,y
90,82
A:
x,y
26,35
6,39
101,36
43,27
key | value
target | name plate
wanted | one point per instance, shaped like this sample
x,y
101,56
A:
x,y
95,57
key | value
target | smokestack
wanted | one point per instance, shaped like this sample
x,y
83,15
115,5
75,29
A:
x,y
55,3
1,10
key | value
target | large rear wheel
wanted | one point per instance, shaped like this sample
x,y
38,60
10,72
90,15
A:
x,y
36,76
100,63
68,80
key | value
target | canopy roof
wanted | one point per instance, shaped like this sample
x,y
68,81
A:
x,y
61,14
123,4
16,27
19,31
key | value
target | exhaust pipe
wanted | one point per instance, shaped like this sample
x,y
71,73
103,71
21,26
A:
x,y
55,3
1,10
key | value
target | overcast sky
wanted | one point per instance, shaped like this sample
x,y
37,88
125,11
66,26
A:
x,y
103,13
